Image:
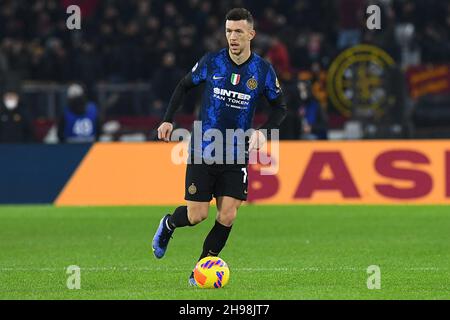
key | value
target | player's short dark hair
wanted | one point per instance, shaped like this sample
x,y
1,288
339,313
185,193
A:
x,y
238,14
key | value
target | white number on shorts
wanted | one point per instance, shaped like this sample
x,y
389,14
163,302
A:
x,y
245,174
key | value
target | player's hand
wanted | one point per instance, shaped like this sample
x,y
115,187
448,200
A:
x,y
164,131
257,140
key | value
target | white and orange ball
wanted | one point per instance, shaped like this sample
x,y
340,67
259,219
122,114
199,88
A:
x,y
211,272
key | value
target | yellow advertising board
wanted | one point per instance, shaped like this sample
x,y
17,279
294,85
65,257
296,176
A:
x,y
359,172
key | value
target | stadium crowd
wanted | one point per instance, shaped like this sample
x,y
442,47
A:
x,y
157,41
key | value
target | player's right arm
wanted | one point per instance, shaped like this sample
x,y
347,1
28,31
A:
x,y
194,78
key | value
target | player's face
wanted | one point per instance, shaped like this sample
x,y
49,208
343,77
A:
x,y
239,34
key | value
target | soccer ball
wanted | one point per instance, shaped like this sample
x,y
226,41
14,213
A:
x,y
211,272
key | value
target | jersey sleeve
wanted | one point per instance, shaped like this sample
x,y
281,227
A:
x,y
199,71
272,89
274,95
196,76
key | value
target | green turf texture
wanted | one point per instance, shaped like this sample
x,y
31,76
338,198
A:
x,y
274,252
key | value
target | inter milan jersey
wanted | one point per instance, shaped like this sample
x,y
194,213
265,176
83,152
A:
x,y
230,97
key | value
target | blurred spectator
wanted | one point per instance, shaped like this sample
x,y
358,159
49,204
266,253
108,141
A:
x,y
55,65
305,118
87,7
14,57
350,22
278,55
3,62
435,44
80,121
15,123
87,66
164,82
314,119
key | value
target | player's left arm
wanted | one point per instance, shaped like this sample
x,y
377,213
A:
x,y
278,113
275,97
277,102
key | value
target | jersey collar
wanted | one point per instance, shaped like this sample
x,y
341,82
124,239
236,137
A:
x,y
242,64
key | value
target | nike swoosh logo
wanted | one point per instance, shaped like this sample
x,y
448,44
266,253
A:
x,y
217,78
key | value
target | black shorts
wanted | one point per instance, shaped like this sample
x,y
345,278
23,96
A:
x,y
205,181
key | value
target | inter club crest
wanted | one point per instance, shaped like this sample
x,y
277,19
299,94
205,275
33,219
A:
x,y
252,84
192,189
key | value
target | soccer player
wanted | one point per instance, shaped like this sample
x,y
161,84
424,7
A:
x,y
234,80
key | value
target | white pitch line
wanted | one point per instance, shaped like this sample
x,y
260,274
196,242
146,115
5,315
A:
x,y
149,269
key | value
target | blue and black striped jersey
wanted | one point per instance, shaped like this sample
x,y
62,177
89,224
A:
x,y
232,90
231,93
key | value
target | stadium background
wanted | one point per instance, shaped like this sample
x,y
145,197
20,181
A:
x,y
131,54
386,120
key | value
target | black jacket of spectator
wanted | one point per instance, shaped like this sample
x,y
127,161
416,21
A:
x,y
15,125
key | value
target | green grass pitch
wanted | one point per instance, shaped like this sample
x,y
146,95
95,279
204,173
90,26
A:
x,y
274,252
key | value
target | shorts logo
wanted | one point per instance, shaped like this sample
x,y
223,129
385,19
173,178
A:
x,y
252,84
245,191
192,189
235,78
